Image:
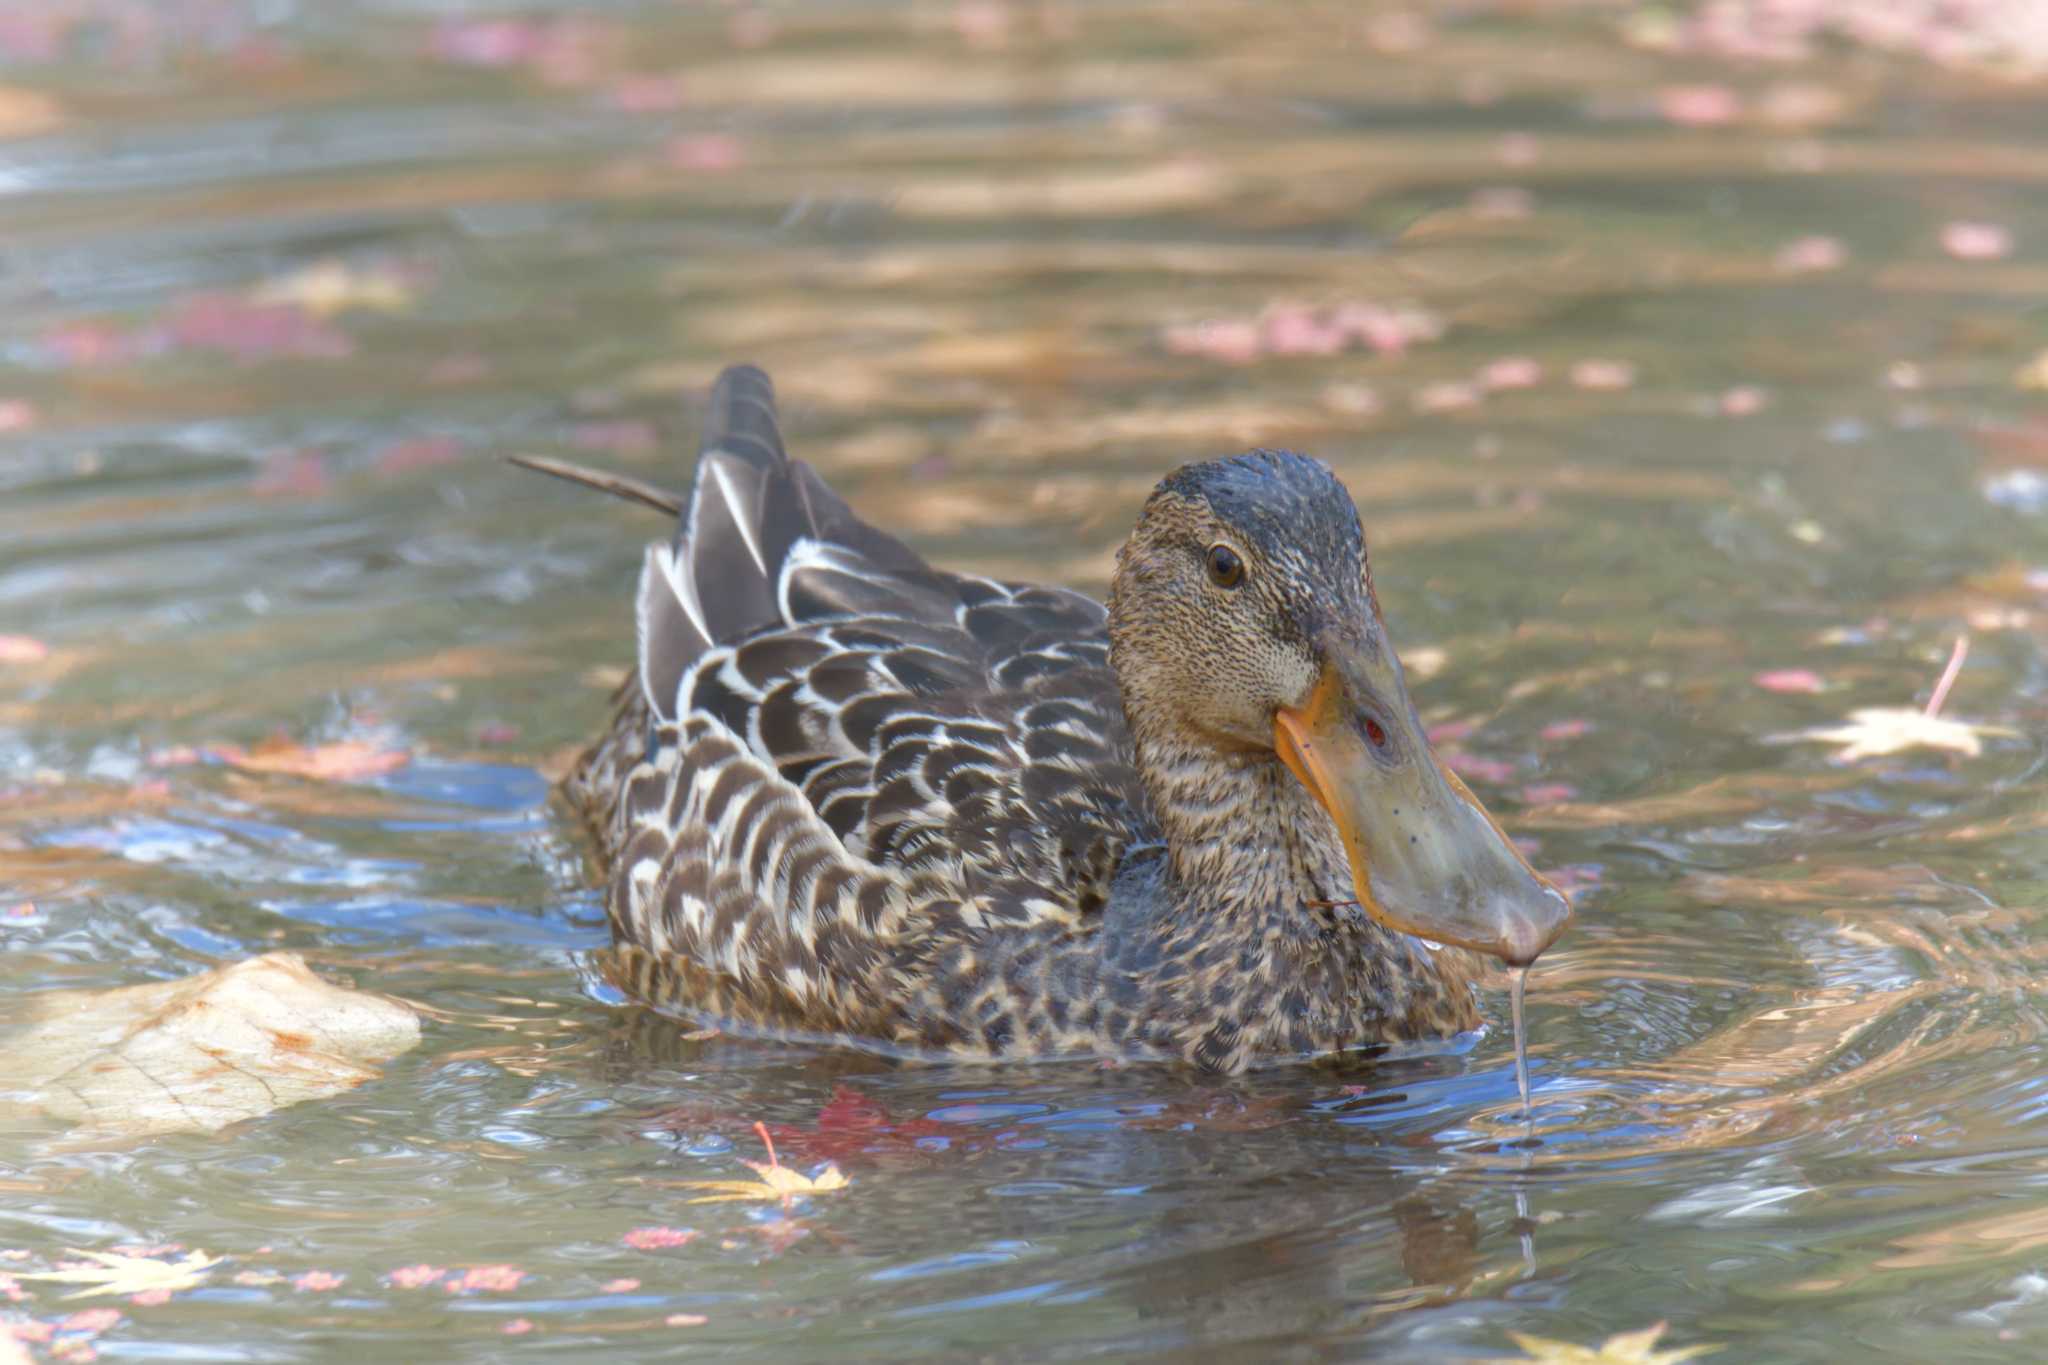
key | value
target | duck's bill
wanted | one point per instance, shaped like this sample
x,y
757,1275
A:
x,y
1426,858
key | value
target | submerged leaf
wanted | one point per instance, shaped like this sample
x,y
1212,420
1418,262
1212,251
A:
x,y
111,1272
203,1052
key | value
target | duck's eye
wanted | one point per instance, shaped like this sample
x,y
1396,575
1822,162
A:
x,y
1375,733
1226,570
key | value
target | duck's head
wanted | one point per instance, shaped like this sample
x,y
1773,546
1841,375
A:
x,y
1243,622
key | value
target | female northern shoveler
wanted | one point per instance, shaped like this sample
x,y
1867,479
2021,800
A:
x,y
852,794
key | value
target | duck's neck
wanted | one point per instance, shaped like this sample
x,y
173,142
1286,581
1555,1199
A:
x,y
1257,864
1241,832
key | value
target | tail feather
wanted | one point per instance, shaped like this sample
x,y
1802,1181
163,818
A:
x,y
750,510
670,628
737,561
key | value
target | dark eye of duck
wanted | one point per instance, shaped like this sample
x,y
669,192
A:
x,y
1226,570
1375,733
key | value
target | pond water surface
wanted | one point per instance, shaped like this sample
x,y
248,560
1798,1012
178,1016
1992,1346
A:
x,y
1692,402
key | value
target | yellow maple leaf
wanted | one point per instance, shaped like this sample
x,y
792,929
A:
x,y
115,1273
1623,1348
1872,731
778,1182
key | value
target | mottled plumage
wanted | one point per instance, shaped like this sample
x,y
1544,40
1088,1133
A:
x,y
851,794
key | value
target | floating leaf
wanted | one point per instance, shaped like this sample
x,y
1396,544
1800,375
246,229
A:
x,y
659,1238
1623,1348
348,760
1511,372
334,287
26,112
1699,106
494,1277
292,474
111,1272
778,1182
1811,255
1873,731
705,152
1976,241
203,1052
1790,680
1603,374
1744,400
244,329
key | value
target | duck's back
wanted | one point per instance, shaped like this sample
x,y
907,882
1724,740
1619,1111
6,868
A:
x,y
836,760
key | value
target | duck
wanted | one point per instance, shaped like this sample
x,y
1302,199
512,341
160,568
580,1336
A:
x,y
848,795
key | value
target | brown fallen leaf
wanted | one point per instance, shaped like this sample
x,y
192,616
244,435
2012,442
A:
x,y
1623,1348
200,1053
113,1272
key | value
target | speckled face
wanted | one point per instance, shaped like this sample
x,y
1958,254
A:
x,y
1230,571
1242,615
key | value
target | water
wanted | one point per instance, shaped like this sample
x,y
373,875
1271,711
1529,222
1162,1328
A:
x,y
1672,388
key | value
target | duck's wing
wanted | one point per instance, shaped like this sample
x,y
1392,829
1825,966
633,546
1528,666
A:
x,y
834,721
974,738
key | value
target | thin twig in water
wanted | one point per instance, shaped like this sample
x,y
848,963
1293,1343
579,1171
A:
x,y
1948,676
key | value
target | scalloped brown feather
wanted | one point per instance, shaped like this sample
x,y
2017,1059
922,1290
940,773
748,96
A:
x,y
853,795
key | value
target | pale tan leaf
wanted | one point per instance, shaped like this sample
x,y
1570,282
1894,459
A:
x,y
1623,1348
112,1272
1873,731
332,287
200,1053
777,1182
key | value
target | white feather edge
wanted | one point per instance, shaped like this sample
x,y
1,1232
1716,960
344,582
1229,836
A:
x,y
662,572
743,518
